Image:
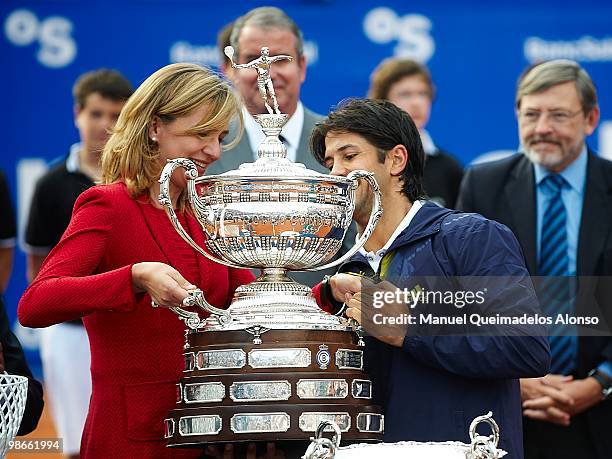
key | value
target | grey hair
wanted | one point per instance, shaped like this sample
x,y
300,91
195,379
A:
x,y
268,17
543,76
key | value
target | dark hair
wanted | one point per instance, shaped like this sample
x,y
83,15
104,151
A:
x,y
384,126
110,84
392,70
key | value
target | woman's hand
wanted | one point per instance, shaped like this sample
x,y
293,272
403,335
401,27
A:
x,y
162,282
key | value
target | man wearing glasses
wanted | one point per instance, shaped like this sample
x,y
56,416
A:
x,y
557,199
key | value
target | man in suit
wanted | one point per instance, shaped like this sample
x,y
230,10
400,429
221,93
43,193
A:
x,y
557,198
272,28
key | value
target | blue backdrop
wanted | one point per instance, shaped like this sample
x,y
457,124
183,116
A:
x,y
475,50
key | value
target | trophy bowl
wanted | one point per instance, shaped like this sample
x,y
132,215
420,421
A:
x,y
274,215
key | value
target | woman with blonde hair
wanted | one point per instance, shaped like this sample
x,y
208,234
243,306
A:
x,y
120,252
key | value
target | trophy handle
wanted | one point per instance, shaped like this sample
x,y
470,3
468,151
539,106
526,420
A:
x,y
374,217
191,173
192,319
481,446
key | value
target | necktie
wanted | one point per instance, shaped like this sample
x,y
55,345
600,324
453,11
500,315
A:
x,y
556,293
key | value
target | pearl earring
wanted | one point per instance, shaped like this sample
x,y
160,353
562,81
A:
x,y
154,139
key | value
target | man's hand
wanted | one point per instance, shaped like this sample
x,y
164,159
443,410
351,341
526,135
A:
x,y
544,400
341,284
385,321
585,393
555,398
164,283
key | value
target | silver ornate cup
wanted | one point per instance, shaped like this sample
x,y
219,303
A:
x,y
275,215
239,384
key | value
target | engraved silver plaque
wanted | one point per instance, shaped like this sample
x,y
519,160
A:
x,y
361,388
349,359
260,391
209,424
204,392
280,358
168,428
223,359
189,361
322,388
260,422
309,422
370,422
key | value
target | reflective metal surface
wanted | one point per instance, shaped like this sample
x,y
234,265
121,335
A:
x,y
260,422
361,388
204,392
222,359
168,428
200,425
480,447
260,391
309,421
271,214
322,388
189,361
349,359
370,422
280,358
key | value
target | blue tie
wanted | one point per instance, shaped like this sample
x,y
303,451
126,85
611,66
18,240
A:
x,y
556,292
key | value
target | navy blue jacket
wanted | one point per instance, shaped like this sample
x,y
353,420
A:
x,y
435,385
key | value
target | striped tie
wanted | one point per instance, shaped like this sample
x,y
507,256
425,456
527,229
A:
x,y
555,292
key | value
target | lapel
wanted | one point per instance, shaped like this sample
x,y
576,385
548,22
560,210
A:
x,y
242,153
520,200
595,220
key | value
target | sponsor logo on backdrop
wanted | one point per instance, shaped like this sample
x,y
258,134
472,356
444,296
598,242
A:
x,y
56,46
584,49
208,55
411,31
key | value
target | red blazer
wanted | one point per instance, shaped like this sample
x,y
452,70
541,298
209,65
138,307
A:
x,y
136,350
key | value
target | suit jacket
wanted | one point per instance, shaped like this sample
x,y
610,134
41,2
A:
x,y
442,178
242,153
136,350
504,190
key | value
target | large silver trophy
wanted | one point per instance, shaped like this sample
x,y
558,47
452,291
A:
x,y
273,365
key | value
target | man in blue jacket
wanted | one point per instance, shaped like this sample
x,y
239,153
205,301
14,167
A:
x,y
431,380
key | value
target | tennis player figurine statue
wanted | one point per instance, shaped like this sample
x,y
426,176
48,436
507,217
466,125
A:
x,y
264,82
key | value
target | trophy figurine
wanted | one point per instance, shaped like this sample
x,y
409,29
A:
x,y
273,366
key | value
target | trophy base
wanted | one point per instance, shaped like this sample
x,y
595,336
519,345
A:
x,y
275,301
235,390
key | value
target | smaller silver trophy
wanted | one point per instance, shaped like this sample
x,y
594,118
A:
x,y
273,365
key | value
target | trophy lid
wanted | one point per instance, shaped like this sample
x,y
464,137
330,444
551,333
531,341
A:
x,y
272,158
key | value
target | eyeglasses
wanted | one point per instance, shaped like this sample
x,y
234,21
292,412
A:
x,y
555,117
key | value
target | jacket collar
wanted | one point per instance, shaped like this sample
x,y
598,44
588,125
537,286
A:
x,y
426,222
